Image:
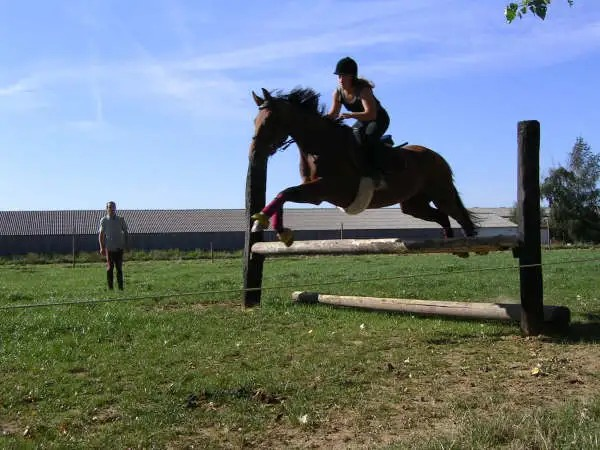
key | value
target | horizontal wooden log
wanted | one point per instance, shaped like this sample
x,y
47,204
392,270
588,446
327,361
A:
x,y
387,246
494,311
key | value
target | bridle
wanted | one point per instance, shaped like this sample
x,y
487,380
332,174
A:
x,y
282,145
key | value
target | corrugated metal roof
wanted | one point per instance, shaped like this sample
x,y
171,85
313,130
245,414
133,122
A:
x,y
502,212
35,223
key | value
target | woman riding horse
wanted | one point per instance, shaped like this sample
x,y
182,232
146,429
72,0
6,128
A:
x,y
417,177
372,120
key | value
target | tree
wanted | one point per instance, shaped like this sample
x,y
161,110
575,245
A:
x,y
513,215
536,7
574,197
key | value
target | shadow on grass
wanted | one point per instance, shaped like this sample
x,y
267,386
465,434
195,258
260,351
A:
x,y
593,317
577,332
582,331
557,327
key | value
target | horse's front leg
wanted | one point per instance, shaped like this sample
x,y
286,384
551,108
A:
x,y
274,211
312,192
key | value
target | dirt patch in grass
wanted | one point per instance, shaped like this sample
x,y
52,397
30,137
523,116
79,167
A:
x,y
169,306
105,415
413,400
8,428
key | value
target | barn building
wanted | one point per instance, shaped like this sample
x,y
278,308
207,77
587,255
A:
x,y
23,232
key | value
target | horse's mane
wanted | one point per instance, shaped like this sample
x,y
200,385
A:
x,y
306,99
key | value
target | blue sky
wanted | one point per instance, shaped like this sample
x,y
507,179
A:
x,y
149,103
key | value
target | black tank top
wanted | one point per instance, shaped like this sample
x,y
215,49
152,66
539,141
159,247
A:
x,y
356,105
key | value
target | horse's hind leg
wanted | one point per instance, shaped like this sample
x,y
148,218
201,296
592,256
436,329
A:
x,y
419,207
449,202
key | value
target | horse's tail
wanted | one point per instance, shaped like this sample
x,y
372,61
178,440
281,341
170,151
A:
x,y
470,221
473,218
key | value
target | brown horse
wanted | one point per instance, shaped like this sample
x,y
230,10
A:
x,y
331,167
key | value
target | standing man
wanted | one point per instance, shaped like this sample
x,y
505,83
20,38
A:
x,y
114,239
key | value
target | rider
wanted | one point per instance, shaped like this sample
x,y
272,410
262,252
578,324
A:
x,y
372,120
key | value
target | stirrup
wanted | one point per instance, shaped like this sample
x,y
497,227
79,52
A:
x,y
381,184
378,178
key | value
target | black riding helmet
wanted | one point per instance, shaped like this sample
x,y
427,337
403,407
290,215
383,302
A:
x,y
346,66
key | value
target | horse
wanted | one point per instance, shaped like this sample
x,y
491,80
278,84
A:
x,y
332,162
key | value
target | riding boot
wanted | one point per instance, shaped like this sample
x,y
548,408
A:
x,y
109,279
376,169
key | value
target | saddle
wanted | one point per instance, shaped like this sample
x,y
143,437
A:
x,y
387,139
372,162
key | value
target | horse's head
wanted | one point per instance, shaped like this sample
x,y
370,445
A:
x,y
270,132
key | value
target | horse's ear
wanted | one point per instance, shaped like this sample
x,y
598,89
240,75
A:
x,y
266,94
259,101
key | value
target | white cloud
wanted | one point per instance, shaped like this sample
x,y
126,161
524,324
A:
x,y
23,86
492,52
428,39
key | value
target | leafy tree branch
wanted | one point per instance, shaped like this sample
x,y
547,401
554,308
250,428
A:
x,y
538,8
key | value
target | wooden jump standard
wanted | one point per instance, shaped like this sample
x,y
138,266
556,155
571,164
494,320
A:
x,y
527,248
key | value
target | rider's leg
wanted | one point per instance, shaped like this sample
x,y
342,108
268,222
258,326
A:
x,y
359,129
375,153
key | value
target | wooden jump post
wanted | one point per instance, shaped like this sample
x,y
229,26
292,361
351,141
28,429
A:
x,y
526,246
256,192
529,251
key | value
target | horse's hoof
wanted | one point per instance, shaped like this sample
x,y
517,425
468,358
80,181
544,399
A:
x,y
261,222
286,236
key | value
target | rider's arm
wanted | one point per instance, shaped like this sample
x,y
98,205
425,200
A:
x,y
369,105
125,233
336,105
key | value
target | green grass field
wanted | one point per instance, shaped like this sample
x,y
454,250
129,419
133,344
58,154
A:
x,y
175,362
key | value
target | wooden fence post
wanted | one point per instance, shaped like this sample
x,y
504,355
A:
x,y
528,208
256,189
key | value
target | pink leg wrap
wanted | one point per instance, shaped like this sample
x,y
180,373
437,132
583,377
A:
x,y
274,210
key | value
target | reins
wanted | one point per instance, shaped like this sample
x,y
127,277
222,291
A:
x,y
285,144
